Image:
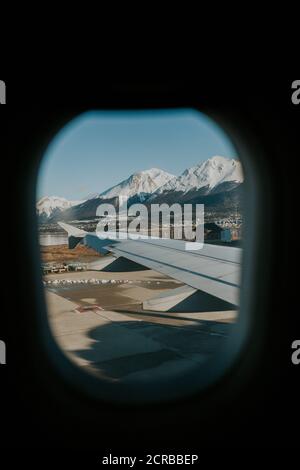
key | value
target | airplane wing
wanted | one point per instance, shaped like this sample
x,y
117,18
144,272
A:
x,y
213,269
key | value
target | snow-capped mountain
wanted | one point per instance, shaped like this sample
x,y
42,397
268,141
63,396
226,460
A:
x,y
142,184
208,175
215,183
137,188
48,205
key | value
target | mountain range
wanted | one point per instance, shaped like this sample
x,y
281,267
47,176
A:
x,y
215,182
50,206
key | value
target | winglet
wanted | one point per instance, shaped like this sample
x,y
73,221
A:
x,y
75,235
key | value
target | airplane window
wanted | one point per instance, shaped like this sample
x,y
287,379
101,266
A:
x,y
141,220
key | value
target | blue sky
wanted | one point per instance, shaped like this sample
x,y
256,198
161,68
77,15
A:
x,y
99,149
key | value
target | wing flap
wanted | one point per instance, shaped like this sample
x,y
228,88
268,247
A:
x,y
213,269
215,277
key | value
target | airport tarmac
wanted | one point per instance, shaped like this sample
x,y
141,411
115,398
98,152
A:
x,y
104,329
